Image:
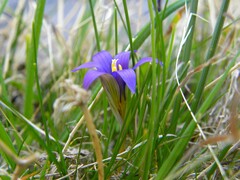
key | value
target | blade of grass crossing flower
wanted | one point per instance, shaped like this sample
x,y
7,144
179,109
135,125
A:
x,y
95,26
188,131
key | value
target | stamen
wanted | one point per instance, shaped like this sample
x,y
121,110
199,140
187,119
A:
x,y
119,67
114,65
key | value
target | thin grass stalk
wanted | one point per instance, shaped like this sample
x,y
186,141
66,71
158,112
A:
x,y
160,46
151,127
116,30
110,35
129,30
191,27
95,26
120,14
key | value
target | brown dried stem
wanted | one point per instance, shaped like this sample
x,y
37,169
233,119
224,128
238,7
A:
x,y
95,140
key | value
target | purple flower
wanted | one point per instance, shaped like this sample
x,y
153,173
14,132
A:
x,y
117,66
115,75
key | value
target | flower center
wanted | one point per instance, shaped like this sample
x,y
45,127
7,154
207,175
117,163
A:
x,y
114,65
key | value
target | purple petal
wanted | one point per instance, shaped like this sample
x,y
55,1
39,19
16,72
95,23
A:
x,y
145,60
129,77
123,59
104,61
90,77
85,65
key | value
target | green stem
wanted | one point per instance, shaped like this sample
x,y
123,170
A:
x,y
151,139
116,30
129,30
95,26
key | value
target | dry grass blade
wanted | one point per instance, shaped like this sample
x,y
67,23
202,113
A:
x,y
234,136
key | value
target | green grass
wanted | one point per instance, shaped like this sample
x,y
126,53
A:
x,y
165,121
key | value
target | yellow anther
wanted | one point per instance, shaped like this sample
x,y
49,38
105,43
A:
x,y
114,65
119,67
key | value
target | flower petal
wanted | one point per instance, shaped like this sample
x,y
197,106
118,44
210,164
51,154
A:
x,y
85,65
129,77
123,59
145,60
90,77
104,61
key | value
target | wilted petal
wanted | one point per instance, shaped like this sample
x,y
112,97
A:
x,y
85,65
145,60
129,77
123,59
104,61
90,77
